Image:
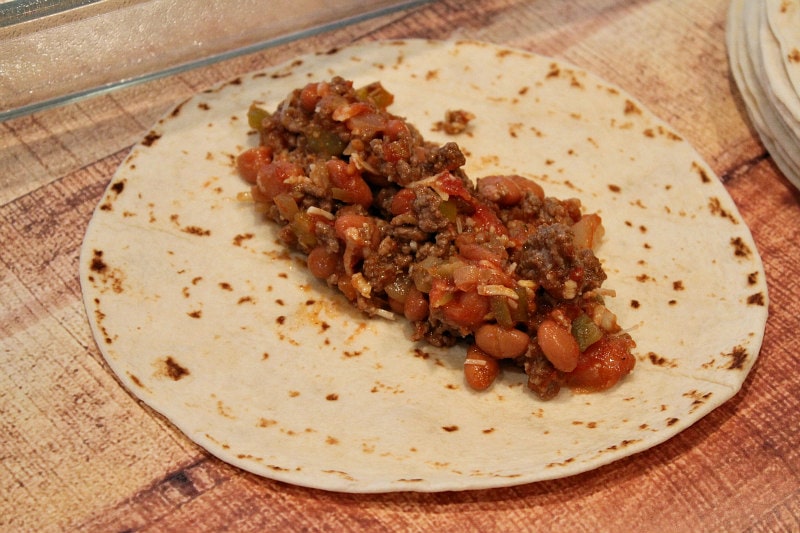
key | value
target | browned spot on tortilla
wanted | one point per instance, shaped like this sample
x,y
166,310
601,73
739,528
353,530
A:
x,y
203,106
97,264
737,356
635,304
196,230
265,422
294,394
331,440
523,91
673,302
488,430
642,278
677,285
237,240
672,421
740,249
450,429
659,360
663,132
698,399
171,369
281,320
245,299
716,208
756,299
112,277
752,278
704,177
225,286
151,138
431,75
224,410
195,314
332,397
794,56
277,468
565,462
354,353
614,188
422,354
631,108
136,380
118,187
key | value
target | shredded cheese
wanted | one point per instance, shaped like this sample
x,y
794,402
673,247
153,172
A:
x,y
497,290
321,212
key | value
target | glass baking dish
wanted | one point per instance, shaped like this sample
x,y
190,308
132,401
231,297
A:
x,y
56,51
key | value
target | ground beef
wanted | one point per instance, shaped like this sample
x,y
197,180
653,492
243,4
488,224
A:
x,y
550,258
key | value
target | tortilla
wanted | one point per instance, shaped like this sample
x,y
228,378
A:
x,y
204,316
763,41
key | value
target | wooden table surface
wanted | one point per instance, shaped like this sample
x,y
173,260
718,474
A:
x,y
78,453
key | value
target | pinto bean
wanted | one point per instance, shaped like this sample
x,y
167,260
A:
x,y
416,305
500,189
250,162
480,369
348,185
558,345
528,185
322,263
501,342
466,309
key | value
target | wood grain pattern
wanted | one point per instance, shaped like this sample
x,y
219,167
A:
x,y
78,453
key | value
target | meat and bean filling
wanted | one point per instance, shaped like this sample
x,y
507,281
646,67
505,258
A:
x,y
394,223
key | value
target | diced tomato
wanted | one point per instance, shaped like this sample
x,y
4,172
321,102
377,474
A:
x,y
449,184
402,201
484,217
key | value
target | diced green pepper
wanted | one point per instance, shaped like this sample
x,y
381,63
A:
x,y
501,311
449,210
256,116
325,143
375,94
585,331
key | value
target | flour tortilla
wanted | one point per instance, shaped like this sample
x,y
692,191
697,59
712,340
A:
x,y
763,39
206,318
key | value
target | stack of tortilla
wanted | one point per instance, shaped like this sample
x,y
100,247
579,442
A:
x,y
764,51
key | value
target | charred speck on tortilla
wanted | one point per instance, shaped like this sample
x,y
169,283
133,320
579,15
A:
x,y
395,224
